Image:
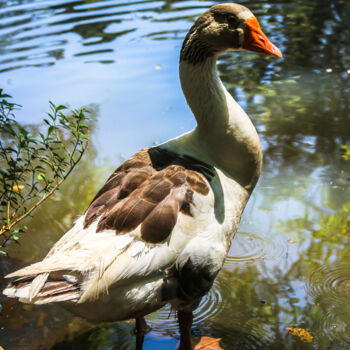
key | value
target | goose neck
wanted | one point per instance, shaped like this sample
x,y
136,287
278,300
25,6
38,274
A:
x,y
224,132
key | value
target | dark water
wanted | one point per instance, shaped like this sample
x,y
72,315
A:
x,y
289,264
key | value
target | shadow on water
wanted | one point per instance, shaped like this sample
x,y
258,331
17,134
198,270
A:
x,y
289,263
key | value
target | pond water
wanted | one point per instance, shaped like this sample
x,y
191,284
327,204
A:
x,y
289,264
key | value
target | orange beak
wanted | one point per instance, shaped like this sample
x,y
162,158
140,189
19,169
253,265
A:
x,y
255,40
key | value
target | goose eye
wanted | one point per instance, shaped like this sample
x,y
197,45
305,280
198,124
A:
x,y
232,20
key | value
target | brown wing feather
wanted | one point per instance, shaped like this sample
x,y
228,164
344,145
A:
x,y
150,189
161,221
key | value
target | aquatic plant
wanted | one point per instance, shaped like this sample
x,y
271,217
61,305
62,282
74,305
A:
x,y
34,162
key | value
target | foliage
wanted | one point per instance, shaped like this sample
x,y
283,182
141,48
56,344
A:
x,y
34,166
60,211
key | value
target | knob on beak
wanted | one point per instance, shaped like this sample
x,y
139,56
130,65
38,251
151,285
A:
x,y
255,39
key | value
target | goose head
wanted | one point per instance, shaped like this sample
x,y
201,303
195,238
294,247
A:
x,y
225,27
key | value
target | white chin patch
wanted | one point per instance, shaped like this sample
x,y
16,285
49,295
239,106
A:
x,y
241,36
244,15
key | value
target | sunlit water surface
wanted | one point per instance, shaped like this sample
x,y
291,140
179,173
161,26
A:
x,y
289,264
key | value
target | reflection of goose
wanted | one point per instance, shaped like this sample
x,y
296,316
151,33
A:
x,y
159,229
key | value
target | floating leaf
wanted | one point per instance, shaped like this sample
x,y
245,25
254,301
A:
x,y
302,333
17,188
207,343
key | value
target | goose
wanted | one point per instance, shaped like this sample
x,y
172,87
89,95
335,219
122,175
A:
x,y
159,229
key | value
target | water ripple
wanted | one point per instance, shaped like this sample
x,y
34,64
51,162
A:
x,y
329,286
32,27
165,321
332,281
249,248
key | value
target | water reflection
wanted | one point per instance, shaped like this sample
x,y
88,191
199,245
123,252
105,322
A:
x,y
327,272
289,264
37,34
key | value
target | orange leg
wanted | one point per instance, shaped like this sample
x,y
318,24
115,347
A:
x,y
141,329
185,324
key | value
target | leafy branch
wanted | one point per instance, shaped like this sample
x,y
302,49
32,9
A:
x,y
34,164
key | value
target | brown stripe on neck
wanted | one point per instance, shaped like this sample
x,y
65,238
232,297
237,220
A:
x,y
194,50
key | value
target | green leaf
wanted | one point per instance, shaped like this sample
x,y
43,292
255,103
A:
x,y
60,107
51,129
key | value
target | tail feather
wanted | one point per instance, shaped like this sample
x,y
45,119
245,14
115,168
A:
x,y
56,288
44,288
29,271
36,285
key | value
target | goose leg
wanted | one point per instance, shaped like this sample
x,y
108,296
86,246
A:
x,y
141,329
185,324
